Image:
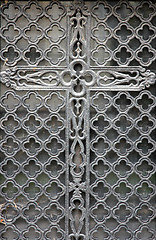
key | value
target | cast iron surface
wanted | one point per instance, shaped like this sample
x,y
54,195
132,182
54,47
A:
x,y
77,120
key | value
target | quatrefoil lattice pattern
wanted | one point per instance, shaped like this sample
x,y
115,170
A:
x,y
33,166
119,32
78,129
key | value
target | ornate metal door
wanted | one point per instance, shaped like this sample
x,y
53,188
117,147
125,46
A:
x,y
77,120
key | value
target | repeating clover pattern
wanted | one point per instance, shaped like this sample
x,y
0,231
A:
x,y
33,28
78,128
32,166
120,32
122,173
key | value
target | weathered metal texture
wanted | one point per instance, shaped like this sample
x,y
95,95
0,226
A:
x,y
78,120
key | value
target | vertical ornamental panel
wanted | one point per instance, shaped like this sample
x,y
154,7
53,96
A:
x,y
77,120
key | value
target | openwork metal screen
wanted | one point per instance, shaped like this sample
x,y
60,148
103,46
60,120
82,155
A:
x,y
77,120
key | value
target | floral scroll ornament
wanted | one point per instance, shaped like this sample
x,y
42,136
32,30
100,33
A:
x,y
112,78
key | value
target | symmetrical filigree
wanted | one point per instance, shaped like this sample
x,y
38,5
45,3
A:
x,y
114,78
77,130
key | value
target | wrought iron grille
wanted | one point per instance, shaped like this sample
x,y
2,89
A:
x,y
77,120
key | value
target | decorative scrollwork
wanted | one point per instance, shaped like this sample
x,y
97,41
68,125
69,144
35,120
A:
x,y
108,78
77,131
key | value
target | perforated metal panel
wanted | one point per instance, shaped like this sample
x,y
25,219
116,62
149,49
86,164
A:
x,y
78,120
